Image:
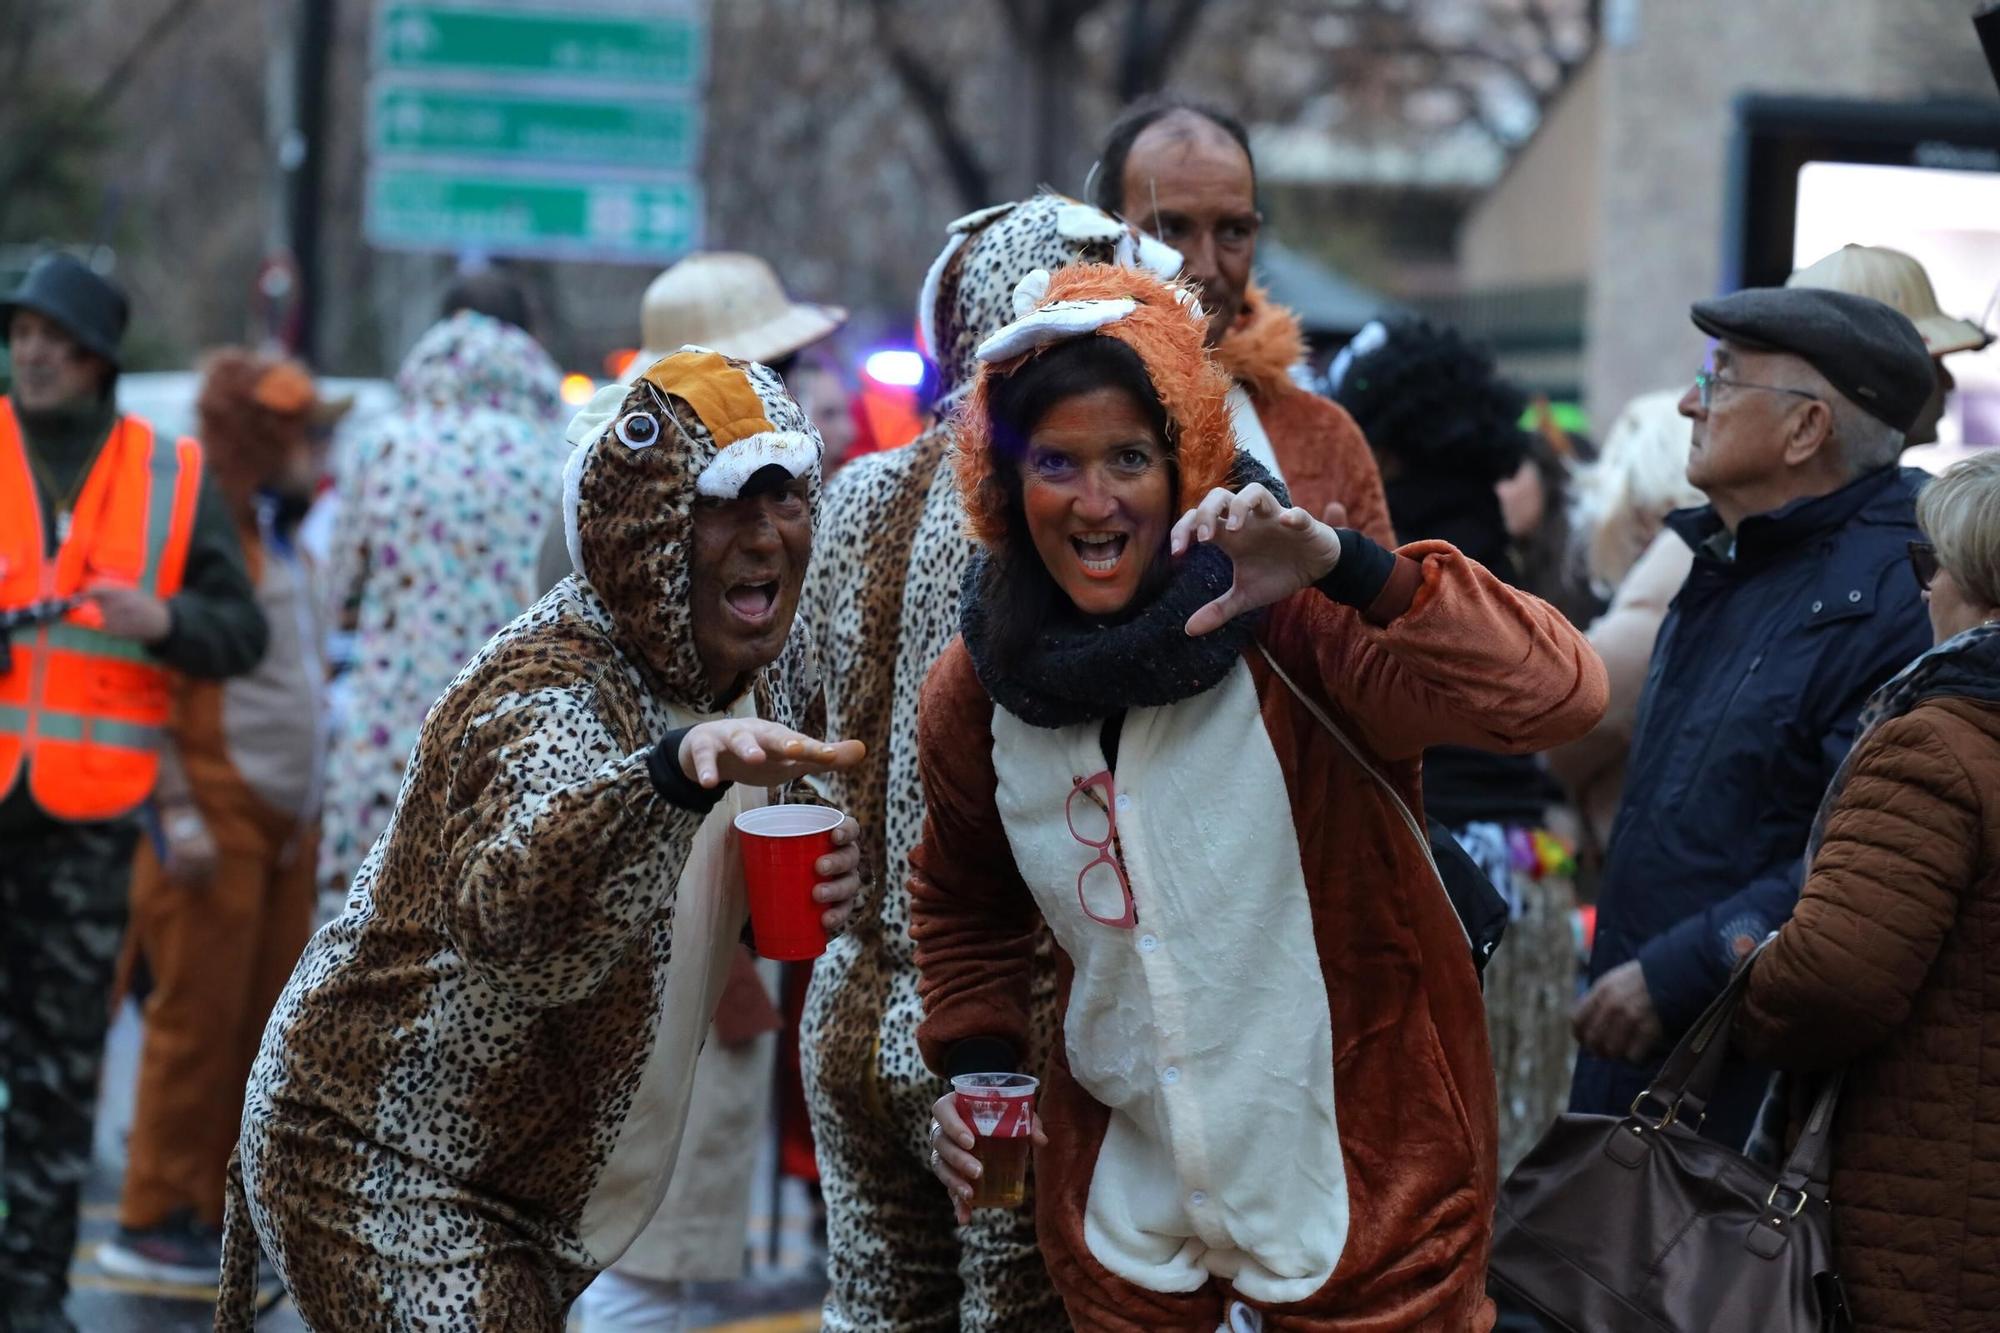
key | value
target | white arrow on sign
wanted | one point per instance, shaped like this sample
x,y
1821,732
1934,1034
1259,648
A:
x,y
415,34
407,114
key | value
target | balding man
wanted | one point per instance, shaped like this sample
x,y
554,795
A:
x,y
1799,605
1181,170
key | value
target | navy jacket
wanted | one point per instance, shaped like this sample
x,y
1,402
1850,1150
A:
x,y
1757,678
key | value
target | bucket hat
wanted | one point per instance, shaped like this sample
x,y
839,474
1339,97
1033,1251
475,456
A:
x,y
732,303
64,288
1899,281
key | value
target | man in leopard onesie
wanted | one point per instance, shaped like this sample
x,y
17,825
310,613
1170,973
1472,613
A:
x,y
883,599
470,1095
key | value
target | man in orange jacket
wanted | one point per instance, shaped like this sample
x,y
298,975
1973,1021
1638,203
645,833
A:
x,y
124,567
223,905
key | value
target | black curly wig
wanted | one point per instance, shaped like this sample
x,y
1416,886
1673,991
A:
x,y
1431,402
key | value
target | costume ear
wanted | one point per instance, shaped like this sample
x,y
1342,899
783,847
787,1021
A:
x,y
1149,254
596,416
1030,291
1053,324
1081,222
978,218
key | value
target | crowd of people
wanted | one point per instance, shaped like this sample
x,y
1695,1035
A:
x,y
1180,716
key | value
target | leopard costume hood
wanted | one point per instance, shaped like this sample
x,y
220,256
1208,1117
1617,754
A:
x,y
696,424
969,291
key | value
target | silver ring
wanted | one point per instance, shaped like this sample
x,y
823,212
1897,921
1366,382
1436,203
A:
x,y
934,1159
936,1129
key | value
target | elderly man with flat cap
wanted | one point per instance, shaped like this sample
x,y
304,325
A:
x,y
1797,607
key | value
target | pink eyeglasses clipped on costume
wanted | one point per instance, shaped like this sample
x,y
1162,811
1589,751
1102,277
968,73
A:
x,y
1098,813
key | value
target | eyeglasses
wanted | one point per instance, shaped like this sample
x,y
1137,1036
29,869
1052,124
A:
x,y
1923,563
1103,881
1705,382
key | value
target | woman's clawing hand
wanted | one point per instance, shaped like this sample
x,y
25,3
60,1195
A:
x,y
1276,550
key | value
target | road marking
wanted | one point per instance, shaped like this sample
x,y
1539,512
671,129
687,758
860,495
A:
x,y
800,1321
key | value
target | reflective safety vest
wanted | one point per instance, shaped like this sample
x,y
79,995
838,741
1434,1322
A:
x,y
83,713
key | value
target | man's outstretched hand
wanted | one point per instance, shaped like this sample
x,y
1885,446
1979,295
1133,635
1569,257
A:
x,y
759,753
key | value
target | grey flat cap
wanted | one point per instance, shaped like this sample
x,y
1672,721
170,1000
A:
x,y
1871,352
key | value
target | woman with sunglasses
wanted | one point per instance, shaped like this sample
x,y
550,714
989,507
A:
x,y
1272,1106
1890,966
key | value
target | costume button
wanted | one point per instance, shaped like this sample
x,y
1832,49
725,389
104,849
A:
x,y
1148,943
1124,801
1198,1198
1170,1075
1854,596
1817,606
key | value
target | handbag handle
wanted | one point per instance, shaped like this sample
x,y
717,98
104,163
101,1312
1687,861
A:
x,y
1688,1076
1410,820
1687,1079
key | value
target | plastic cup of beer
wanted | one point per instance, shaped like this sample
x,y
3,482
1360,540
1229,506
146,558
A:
x,y
1001,1110
780,845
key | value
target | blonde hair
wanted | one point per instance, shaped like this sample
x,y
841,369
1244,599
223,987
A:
x,y
1639,478
1960,513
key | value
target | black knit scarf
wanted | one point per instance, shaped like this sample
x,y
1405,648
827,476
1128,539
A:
x,y
1083,670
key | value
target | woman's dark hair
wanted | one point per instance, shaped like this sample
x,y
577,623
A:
x,y
1020,595
1107,187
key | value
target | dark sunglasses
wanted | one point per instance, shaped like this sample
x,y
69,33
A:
x,y
1924,563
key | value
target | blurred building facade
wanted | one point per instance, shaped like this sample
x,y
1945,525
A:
x,y
1615,211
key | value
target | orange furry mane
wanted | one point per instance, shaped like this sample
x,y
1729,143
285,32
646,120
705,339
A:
x,y
1168,337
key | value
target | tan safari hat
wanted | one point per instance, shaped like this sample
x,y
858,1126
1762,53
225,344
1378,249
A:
x,y
732,303
1899,281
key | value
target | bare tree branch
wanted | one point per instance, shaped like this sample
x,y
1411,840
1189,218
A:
x,y
148,45
931,98
37,140
1147,53
1020,21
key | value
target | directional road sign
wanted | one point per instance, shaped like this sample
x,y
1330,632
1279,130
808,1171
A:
x,y
653,134
659,44
423,208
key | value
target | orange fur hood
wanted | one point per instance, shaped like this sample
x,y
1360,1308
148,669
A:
x,y
1263,346
1166,331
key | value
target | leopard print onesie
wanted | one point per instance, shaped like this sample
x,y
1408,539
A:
x,y
470,1095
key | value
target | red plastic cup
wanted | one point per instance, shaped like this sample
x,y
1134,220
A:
x,y
780,844
1001,1110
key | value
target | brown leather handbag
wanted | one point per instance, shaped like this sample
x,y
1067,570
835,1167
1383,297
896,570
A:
x,y
1637,1223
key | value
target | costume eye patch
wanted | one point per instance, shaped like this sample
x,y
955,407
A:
x,y
638,430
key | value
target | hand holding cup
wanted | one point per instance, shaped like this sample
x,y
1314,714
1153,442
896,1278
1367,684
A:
x,y
952,1157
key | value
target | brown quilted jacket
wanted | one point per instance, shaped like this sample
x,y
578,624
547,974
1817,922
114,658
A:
x,y
1891,967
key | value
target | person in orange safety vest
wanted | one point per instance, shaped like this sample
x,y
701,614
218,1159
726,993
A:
x,y
119,567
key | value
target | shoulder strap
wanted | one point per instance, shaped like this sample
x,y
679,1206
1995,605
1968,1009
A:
x,y
1355,753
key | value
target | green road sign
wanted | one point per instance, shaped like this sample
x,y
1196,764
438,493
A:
x,y
437,208
660,46
657,135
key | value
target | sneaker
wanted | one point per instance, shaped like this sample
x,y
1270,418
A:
x,y
180,1251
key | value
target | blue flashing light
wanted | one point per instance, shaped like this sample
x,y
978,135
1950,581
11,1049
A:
x,y
897,366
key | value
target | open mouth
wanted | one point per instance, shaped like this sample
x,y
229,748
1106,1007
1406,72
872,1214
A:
x,y
752,601
1099,552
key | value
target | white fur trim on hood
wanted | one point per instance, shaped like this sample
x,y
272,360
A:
x,y
592,420
927,298
795,451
